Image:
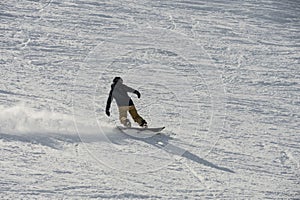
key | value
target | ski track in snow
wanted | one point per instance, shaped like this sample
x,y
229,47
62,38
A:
x,y
223,77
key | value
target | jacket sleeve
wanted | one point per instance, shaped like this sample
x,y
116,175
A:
x,y
128,89
109,100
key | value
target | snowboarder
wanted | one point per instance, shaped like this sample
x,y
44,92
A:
x,y
119,93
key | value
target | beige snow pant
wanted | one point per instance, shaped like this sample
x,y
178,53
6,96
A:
x,y
133,112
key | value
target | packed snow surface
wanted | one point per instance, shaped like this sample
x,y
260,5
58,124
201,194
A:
x,y
222,76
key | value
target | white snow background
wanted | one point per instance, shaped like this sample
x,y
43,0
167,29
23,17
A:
x,y
222,76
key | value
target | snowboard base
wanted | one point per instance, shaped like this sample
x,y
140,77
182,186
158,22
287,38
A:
x,y
140,133
140,129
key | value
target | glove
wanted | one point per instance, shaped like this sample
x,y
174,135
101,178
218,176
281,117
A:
x,y
137,93
107,113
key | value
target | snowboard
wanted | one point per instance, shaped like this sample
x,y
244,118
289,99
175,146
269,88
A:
x,y
139,129
141,133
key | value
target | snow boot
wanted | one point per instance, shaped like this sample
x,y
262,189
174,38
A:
x,y
127,123
144,124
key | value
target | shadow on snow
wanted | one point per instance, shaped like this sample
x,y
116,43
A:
x,y
162,141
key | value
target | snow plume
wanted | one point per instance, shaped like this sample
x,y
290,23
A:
x,y
23,123
20,119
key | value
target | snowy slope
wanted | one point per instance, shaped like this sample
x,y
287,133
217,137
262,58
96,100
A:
x,y
222,76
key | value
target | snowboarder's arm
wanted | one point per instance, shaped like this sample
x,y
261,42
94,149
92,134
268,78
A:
x,y
129,89
109,100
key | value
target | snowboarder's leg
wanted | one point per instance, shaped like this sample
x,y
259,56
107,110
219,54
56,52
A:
x,y
136,117
123,115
